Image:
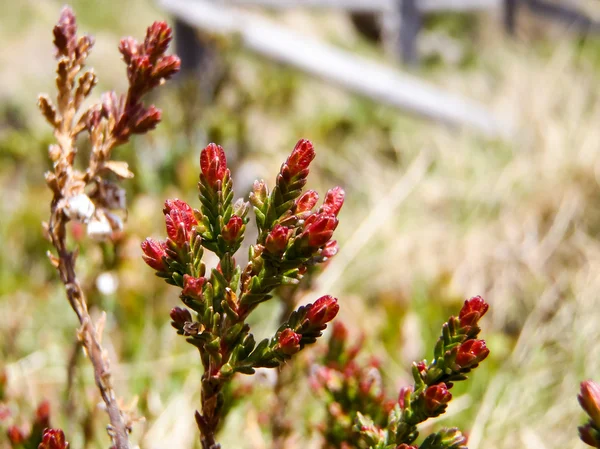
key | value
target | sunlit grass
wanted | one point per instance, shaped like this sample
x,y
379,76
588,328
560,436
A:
x,y
433,215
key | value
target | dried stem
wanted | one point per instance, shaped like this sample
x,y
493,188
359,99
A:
x,y
89,335
90,197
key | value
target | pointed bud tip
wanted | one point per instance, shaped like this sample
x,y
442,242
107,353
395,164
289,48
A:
x,y
322,311
301,157
213,164
472,310
334,200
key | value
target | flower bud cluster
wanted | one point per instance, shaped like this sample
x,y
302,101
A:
x,y
180,222
305,325
457,352
358,414
292,237
147,68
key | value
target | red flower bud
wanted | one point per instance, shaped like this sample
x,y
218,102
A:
x,y
331,249
166,67
213,164
153,254
589,398
289,341
232,231
139,74
180,317
405,446
42,415
436,398
158,36
179,219
307,201
145,119
322,311
319,229
334,200
183,208
128,47
471,353
53,439
192,287
277,240
15,435
301,157
472,311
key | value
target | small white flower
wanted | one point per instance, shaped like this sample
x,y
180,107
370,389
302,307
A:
x,y
107,283
99,228
79,208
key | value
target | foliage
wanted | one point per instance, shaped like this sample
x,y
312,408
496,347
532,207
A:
x,y
360,415
291,238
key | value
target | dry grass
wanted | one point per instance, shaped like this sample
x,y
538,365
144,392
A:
x,y
433,215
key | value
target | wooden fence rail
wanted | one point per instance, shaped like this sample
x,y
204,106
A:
x,y
360,75
375,6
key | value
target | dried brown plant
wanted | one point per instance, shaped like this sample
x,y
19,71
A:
x,y
93,197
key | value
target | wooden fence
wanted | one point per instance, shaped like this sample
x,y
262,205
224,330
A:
x,y
366,77
401,20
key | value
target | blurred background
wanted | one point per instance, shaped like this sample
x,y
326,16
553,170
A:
x,y
466,136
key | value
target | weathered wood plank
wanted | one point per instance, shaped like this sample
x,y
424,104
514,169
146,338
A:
x,y
369,5
458,5
360,75
410,25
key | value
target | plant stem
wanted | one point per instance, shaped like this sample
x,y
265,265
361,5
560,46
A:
x,y
208,421
89,335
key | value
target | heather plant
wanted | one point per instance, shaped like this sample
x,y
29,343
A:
x,y
295,238
92,196
360,414
292,236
